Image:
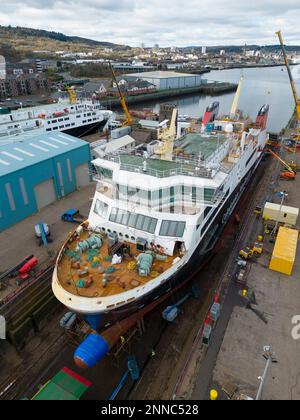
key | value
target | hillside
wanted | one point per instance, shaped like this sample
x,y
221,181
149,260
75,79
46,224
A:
x,y
23,41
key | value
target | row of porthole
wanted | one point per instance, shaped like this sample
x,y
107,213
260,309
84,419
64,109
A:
x,y
120,234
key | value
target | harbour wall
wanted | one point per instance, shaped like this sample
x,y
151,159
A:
x,y
215,88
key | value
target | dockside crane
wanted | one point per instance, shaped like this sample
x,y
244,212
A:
x,y
295,94
290,173
168,137
71,93
129,119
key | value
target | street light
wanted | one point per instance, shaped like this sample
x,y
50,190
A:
x,y
269,357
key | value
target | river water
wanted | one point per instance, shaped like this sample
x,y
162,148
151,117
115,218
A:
x,y
262,85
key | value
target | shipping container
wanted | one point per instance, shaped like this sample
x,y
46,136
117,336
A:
x,y
284,254
281,214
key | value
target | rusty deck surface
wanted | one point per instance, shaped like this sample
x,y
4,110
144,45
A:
x,y
122,280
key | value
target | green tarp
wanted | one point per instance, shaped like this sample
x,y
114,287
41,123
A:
x,y
65,386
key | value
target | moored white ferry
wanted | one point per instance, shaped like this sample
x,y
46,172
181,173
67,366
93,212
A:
x,y
82,117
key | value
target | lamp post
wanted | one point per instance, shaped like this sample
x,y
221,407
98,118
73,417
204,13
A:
x,y
269,357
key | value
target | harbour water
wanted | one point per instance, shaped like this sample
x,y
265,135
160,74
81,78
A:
x,y
262,85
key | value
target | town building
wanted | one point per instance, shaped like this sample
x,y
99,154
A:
x,y
23,85
168,79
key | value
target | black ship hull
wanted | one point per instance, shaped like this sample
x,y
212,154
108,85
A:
x,y
201,255
86,130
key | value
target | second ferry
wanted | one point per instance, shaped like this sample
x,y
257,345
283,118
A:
x,y
71,116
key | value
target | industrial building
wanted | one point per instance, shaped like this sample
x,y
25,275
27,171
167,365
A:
x,y
168,79
35,171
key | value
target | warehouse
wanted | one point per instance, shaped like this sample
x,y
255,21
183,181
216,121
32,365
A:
x,y
36,171
168,79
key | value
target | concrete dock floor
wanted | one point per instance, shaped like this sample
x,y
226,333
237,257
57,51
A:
x,y
19,241
240,361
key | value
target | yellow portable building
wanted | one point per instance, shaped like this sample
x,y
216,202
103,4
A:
x,y
284,254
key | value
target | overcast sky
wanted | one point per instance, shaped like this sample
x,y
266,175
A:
x,y
163,22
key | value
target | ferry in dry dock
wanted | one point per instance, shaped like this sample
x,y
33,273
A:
x,y
156,216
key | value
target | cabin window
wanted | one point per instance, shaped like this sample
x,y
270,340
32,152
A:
x,y
208,194
101,209
104,173
172,228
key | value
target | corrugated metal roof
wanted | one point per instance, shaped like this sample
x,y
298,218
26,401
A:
x,y
30,150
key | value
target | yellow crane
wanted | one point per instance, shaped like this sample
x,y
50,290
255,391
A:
x,y
72,94
168,137
297,101
129,119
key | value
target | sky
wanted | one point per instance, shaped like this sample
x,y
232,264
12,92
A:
x,y
163,22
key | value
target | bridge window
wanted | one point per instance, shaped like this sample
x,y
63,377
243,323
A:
x,y
136,221
101,209
172,228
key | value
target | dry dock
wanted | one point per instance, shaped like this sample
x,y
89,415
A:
x,y
172,360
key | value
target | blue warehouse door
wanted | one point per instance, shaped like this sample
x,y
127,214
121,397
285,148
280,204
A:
x,y
45,194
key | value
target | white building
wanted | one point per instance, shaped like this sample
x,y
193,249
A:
x,y
168,79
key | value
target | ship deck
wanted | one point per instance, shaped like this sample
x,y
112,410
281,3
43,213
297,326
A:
x,y
123,279
206,145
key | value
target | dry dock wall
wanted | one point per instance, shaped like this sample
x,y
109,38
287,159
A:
x,y
205,89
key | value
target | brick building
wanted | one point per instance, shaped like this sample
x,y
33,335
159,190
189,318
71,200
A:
x,y
23,85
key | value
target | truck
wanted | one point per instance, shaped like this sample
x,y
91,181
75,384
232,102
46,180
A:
x,y
72,216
